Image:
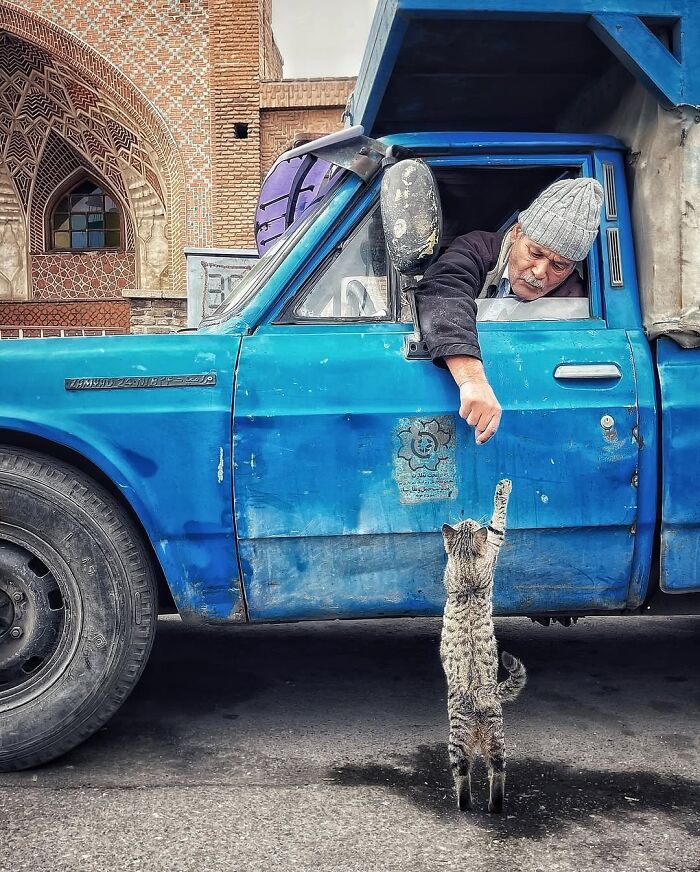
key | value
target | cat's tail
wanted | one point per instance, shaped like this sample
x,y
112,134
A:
x,y
509,689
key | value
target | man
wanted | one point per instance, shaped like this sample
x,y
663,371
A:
x,y
536,257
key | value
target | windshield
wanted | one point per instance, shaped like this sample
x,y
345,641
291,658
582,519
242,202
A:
x,y
255,278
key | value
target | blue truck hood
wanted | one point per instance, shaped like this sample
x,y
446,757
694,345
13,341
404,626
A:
x,y
517,64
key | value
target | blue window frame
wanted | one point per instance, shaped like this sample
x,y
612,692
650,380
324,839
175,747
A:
x,y
576,164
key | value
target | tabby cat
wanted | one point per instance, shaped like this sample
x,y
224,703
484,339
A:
x,y
470,657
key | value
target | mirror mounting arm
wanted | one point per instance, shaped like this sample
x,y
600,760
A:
x,y
414,346
373,157
395,153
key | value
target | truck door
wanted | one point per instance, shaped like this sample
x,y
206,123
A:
x,y
348,457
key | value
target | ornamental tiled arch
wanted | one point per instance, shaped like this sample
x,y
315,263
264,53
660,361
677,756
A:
x,y
61,102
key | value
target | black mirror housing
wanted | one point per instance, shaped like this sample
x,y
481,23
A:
x,y
411,215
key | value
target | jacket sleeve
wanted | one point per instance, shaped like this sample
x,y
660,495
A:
x,y
446,297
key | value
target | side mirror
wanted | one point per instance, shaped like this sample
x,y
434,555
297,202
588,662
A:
x,y
411,215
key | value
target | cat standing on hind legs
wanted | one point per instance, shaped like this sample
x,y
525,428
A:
x,y
470,657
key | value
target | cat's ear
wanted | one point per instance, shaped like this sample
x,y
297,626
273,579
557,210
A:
x,y
448,533
480,537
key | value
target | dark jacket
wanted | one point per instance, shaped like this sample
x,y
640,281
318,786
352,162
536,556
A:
x,y
446,295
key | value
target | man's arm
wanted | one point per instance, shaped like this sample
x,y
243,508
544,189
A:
x,y
477,402
446,297
446,302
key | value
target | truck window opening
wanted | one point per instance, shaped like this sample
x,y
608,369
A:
x,y
490,198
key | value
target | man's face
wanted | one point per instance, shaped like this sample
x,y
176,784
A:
x,y
533,270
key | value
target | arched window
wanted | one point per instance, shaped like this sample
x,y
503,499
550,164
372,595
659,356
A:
x,y
85,219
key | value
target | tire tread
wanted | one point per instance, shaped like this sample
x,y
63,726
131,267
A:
x,y
92,499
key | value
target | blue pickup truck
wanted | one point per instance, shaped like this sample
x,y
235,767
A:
x,y
295,456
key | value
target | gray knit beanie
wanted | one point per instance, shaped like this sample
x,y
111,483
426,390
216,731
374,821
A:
x,y
565,217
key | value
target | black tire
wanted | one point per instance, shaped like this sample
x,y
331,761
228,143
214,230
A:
x,y
77,607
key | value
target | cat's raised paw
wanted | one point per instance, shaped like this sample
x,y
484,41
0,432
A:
x,y
504,486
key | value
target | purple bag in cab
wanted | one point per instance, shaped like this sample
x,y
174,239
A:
x,y
289,189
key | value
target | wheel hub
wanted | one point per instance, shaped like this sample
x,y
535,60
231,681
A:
x,y
7,613
32,613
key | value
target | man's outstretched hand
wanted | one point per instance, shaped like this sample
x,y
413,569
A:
x,y
477,402
480,409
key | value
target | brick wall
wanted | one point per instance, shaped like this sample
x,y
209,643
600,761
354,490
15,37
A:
x,y
270,57
306,93
158,316
234,57
288,108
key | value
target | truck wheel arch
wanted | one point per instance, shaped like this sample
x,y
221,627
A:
x,y
62,453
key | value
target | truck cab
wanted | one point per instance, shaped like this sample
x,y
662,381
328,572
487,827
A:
x,y
349,454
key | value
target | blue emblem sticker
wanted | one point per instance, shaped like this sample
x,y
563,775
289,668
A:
x,y
424,459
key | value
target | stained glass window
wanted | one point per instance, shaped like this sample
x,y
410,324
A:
x,y
85,219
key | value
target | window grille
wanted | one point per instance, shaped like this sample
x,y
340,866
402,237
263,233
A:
x,y
86,219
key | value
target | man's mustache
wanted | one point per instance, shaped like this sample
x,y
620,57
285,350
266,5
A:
x,y
538,284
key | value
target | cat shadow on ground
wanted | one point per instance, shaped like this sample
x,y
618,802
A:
x,y
541,796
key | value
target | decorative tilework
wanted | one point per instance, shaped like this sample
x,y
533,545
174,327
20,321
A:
x,y
162,47
106,106
112,315
154,89
14,282
57,332
58,162
89,276
38,94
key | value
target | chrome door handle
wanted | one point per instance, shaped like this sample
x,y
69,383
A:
x,y
587,370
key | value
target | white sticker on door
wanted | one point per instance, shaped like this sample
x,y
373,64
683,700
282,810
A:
x,y
424,459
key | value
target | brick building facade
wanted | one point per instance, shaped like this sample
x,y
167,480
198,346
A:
x,y
129,131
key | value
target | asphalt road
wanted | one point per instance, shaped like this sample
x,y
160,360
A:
x,y
322,746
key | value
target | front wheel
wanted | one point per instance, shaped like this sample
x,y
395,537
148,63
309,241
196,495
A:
x,y
77,607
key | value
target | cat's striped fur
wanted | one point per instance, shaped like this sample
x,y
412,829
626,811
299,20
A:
x,y
469,654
